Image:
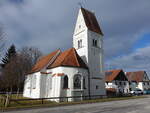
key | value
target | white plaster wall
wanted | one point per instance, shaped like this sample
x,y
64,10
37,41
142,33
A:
x,y
123,88
29,90
81,33
93,56
140,86
57,81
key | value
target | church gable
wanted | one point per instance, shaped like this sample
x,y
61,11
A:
x,y
58,58
44,61
69,58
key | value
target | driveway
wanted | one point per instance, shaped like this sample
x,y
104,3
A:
x,y
125,106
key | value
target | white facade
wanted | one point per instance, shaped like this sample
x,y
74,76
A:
x,y
91,54
51,85
144,84
120,86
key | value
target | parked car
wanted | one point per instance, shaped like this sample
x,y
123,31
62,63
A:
x,y
137,92
146,92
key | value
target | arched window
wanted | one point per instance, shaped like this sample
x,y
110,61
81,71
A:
x,y
77,82
65,85
84,84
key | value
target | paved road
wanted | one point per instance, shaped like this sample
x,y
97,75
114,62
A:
x,y
125,106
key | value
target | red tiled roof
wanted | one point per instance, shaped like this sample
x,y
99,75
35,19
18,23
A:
x,y
44,61
91,21
111,75
58,74
58,58
135,76
111,89
68,58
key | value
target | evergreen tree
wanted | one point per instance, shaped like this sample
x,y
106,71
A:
x,y
11,52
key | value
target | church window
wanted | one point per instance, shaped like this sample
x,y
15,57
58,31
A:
x,y
96,86
77,82
79,43
65,82
84,86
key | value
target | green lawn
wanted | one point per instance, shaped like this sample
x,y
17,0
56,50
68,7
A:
x,y
38,103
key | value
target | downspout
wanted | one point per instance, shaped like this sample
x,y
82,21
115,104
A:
x,y
89,84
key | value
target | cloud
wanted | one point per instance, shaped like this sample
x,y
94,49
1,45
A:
x,y
138,60
49,24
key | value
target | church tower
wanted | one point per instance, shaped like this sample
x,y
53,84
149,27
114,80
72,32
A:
x,y
88,42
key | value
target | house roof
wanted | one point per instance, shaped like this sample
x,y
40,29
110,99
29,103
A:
x,y
57,58
68,58
137,76
91,21
44,61
111,89
112,74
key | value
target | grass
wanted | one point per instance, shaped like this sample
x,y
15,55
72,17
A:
x,y
38,103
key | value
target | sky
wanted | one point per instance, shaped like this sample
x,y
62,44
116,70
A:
x,y
49,25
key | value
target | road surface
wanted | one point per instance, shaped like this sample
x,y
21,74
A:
x,y
125,106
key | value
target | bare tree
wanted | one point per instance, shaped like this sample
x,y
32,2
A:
x,y
19,66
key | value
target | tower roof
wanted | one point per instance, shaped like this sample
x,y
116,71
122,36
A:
x,y
91,21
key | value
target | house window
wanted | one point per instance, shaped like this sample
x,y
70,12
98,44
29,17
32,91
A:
x,y
79,43
143,83
77,82
65,82
124,83
116,83
129,83
147,83
120,83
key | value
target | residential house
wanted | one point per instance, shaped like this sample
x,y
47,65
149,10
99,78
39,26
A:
x,y
138,80
115,80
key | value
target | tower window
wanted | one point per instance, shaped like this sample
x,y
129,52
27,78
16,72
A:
x,y
79,26
79,43
96,86
94,42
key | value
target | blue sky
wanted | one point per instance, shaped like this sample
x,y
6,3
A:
x,y
49,25
142,42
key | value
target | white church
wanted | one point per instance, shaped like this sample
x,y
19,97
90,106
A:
x,y
78,71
